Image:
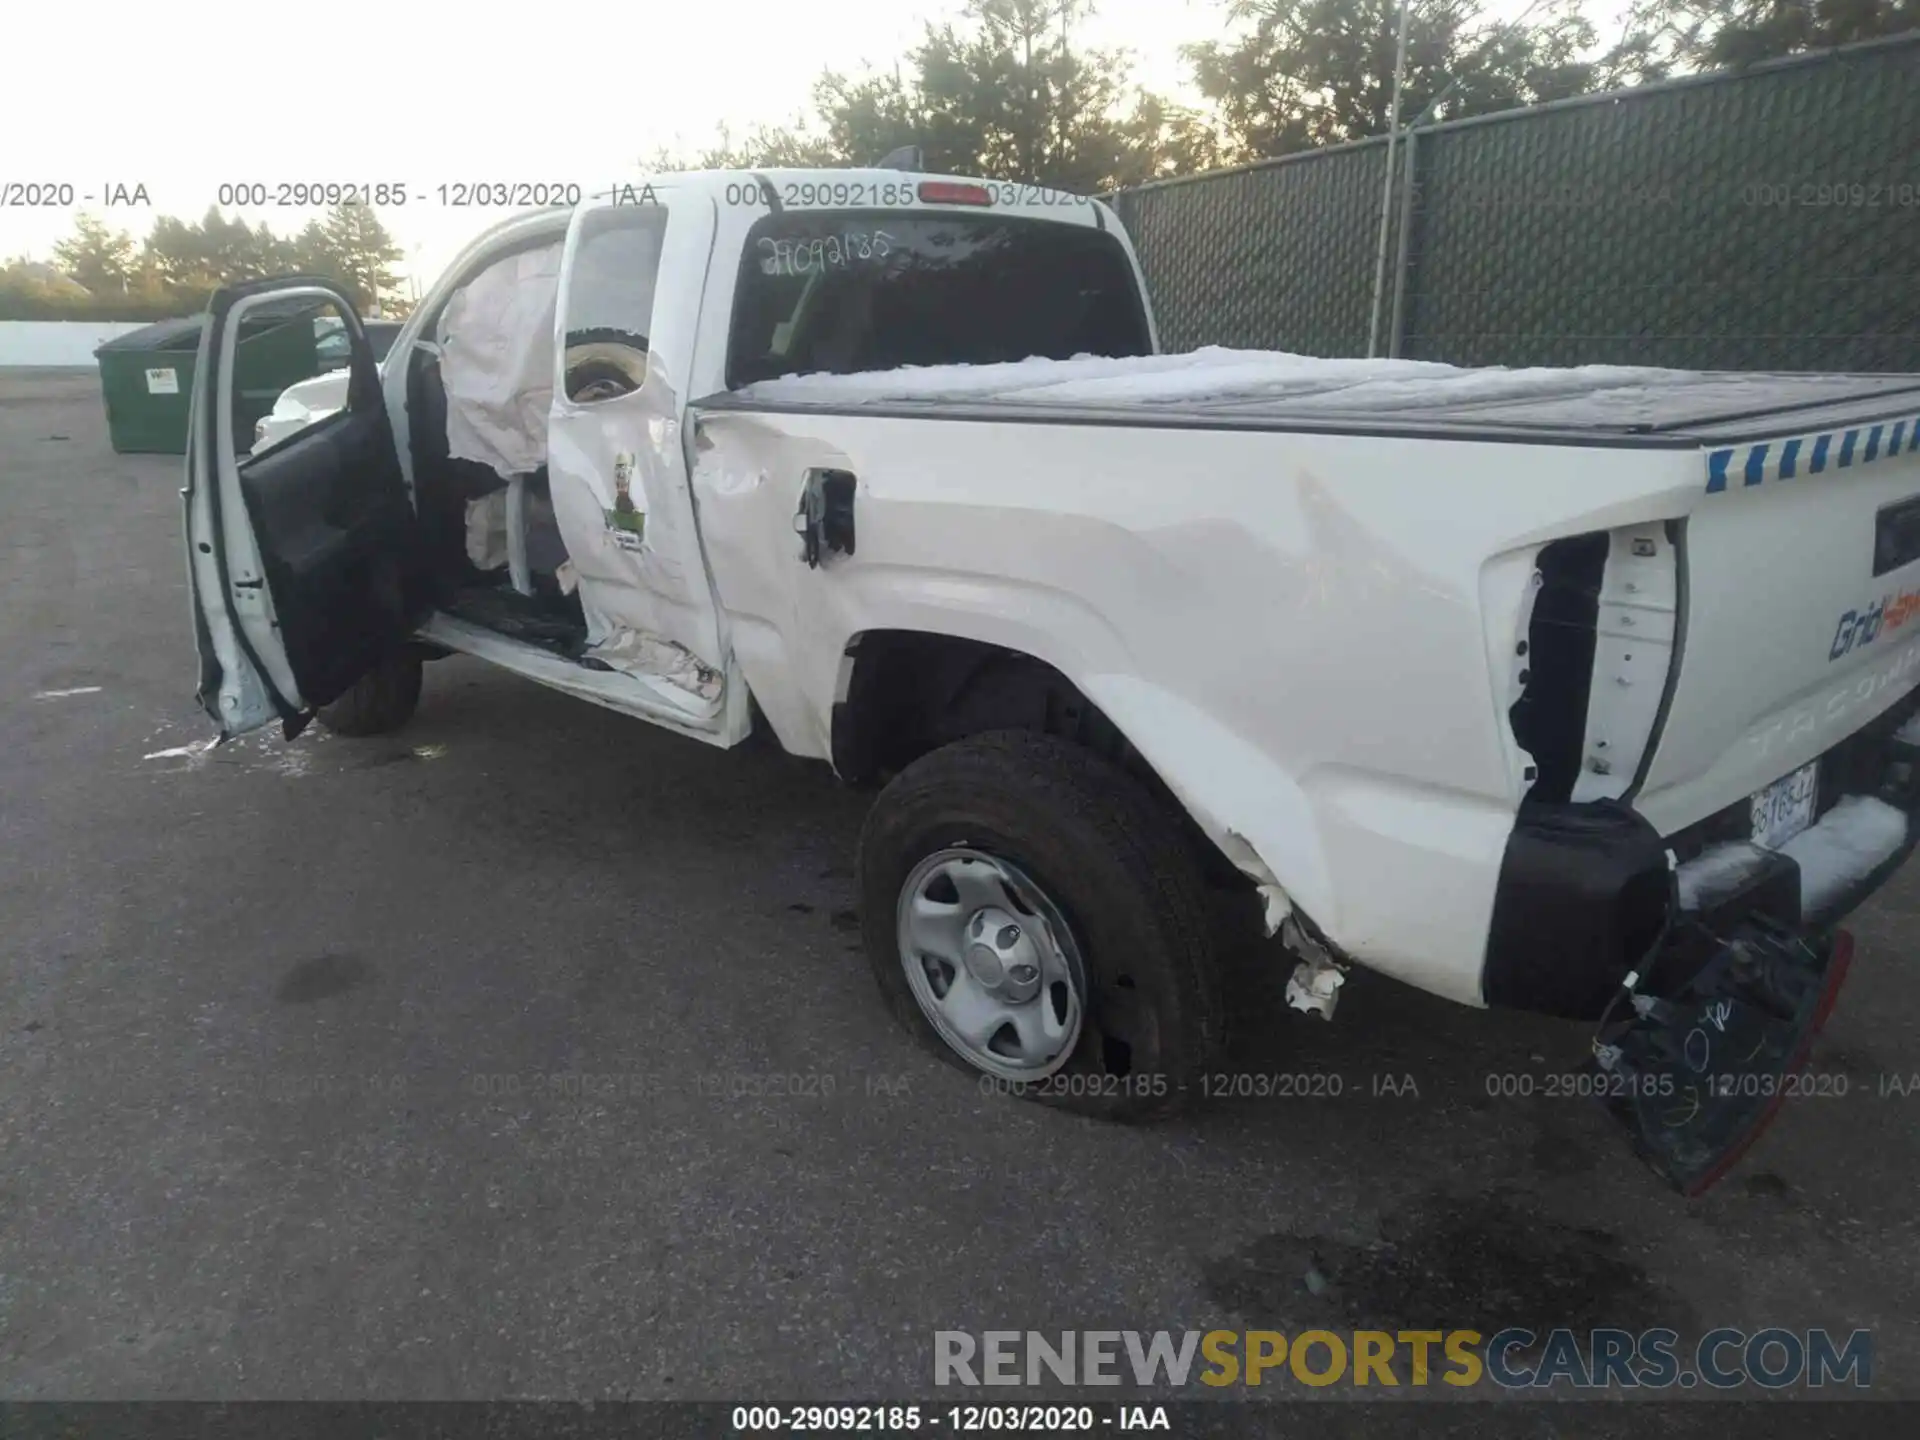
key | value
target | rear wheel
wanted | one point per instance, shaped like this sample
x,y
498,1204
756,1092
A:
x,y
379,702
1032,915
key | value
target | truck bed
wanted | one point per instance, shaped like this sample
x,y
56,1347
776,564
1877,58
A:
x,y
1318,629
1217,388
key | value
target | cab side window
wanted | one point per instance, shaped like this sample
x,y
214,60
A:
x,y
609,301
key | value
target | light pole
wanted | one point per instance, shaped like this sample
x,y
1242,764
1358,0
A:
x,y
1386,185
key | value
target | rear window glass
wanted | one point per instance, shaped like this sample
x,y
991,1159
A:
x,y
842,292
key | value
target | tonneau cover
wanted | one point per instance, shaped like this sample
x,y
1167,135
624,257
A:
x,y
1262,389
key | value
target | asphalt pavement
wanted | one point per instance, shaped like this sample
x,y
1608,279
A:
x,y
529,1052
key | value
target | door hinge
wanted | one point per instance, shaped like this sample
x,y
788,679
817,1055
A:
x,y
824,521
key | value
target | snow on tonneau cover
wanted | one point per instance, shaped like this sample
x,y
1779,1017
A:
x,y
1798,597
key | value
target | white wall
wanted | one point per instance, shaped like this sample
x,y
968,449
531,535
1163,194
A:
x,y
58,342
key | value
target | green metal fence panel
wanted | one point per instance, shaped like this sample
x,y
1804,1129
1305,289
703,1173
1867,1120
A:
x,y
1760,220
1764,221
1263,257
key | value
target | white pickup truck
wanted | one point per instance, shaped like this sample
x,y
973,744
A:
x,y
1580,691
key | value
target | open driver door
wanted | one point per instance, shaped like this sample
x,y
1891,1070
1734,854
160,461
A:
x,y
303,556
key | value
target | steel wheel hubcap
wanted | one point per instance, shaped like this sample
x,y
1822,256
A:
x,y
991,963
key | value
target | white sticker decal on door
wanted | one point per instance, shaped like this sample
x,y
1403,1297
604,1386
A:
x,y
626,522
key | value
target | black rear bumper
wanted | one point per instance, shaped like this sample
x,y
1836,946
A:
x,y
1585,890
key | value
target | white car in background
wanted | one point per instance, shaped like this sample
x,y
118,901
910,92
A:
x,y
314,399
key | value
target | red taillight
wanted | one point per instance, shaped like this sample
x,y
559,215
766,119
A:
x,y
1838,961
945,192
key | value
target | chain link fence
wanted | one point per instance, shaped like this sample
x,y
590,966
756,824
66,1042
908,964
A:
x,y
1767,219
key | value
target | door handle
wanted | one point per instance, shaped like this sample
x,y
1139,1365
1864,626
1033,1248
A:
x,y
824,521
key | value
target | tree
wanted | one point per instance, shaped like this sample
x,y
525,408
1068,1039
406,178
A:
x,y
232,250
354,248
183,262
94,256
174,252
23,277
306,253
867,116
197,259
1169,140
1714,34
768,147
1006,92
1306,73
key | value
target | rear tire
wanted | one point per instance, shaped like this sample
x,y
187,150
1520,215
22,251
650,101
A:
x,y
1039,833
380,701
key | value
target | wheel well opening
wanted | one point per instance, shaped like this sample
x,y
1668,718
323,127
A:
x,y
910,692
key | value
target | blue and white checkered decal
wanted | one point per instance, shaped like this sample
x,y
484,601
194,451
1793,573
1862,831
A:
x,y
1744,465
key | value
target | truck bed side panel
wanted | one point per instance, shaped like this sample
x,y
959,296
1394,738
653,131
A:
x,y
1292,629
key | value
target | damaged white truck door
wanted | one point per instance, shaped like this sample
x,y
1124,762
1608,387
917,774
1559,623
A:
x,y
624,346
303,557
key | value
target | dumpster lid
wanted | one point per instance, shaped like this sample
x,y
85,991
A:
x,y
170,334
157,336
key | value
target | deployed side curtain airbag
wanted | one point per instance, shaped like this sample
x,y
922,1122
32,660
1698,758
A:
x,y
496,362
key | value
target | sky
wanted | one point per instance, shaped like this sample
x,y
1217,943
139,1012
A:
x,y
184,98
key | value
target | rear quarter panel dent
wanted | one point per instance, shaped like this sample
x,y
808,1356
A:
x,y
1292,629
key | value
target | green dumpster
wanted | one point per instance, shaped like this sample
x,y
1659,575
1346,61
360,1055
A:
x,y
146,376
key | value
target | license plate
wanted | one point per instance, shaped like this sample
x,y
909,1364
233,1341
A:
x,y
1785,808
